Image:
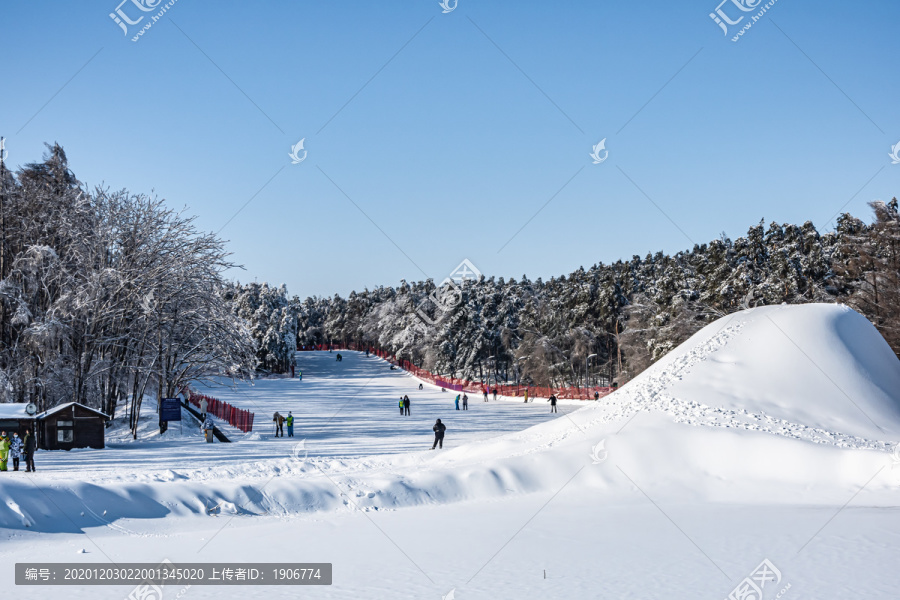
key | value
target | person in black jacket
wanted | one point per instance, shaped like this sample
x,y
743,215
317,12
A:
x,y
28,447
552,401
439,429
406,404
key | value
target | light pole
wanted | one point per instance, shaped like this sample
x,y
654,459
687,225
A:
x,y
586,361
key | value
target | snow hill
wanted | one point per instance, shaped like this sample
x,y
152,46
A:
x,y
782,404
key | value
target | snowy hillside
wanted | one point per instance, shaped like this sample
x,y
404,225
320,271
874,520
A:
x,y
795,406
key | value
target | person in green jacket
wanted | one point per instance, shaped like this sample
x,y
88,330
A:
x,y
4,450
290,423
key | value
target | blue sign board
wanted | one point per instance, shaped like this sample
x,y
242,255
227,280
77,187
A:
x,y
170,409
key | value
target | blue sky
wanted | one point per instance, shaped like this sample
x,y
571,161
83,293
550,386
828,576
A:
x,y
435,137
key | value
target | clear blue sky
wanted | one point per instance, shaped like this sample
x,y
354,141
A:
x,y
451,131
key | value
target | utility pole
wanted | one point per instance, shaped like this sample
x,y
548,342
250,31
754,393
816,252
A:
x,y
2,213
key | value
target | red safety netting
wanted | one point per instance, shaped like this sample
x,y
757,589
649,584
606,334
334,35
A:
x,y
460,385
234,416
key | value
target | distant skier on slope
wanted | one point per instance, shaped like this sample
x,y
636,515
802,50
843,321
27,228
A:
x,y
290,424
457,402
495,394
420,386
406,404
552,401
401,406
485,394
526,395
465,402
439,429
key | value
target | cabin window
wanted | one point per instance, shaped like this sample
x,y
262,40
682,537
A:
x,y
64,423
65,435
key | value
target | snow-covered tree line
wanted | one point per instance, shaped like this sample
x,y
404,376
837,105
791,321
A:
x,y
272,319
107,296
629,313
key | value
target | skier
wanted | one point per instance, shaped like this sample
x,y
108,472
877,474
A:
x,y
495,394
207,428
290,424
552,401
596,395
300,375
485,394
526,395
28,450
465,402
457,402
15,450
203,407
279,424
420,386
439,429
367,353
406,404
401,406
4,450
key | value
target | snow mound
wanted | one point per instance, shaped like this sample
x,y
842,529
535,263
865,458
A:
x,y
819,367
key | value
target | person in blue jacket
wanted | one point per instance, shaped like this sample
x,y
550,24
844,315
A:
x,y
457,402
15,450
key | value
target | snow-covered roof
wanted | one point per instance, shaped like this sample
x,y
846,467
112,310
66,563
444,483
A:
x,y
56,409
14,410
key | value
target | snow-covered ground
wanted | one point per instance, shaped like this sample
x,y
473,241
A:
x,y
771,434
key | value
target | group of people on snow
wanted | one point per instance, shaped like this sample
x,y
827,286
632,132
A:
x,y
487,390
280,421
16,448
439,428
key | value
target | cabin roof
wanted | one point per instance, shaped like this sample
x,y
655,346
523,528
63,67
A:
x,y
14,410
56,409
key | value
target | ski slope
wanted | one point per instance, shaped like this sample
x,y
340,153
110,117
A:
x,y
772,433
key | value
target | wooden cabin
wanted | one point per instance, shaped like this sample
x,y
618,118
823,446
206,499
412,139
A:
x,y
15,417
71,425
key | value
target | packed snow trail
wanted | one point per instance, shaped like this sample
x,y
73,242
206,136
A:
x,y
343,411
